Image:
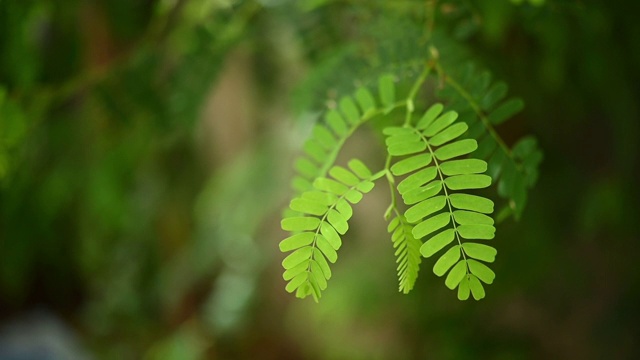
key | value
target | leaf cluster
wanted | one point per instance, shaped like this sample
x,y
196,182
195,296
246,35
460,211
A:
x,y
484,105
435,187
323,218
436,163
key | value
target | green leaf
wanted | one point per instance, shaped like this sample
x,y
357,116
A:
x,y
365,100
338,221
486,147
464,217
344,209
407,253
482,271
324,137
486,232
359,169
322,262
294,271
402,139
296,241
297,257
524,147
471,202
506,185
519,196
397,131
307,206
479,84
305,167
476,288
297,281
402,149
300,184
442,122
305,290
344,176
480,251
350,110
422,193
430,225
421,210
387,90
447,260
463,288
456,275
353,196
330,235
329,252
331,186
336,123
365,186
417,179
506,111
319,275
411,164
496,162
450,133
393,224
494,95
463,167
312,148
320,197
429,116
463,182
437,243
300,223
476,129
458,148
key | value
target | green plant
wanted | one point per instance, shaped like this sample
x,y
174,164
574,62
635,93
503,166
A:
x,y
440,152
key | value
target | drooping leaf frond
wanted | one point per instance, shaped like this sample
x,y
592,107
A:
x,y
483,106
316,235
328,137
407,252
436,189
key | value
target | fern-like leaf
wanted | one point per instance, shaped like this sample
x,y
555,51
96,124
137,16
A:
x,y
407,252
483,106
328,137
436,188
316,235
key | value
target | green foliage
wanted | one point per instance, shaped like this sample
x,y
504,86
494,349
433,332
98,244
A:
x,y
441,159
407,252
435,188
317,234
134,205
484,106
12,130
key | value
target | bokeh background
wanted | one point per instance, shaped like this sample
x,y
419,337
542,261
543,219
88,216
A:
x,y
145,156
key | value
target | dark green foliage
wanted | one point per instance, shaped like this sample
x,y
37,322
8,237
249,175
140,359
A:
x,y
484,106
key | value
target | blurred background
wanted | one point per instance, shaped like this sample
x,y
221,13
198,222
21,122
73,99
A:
x,y
145,157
